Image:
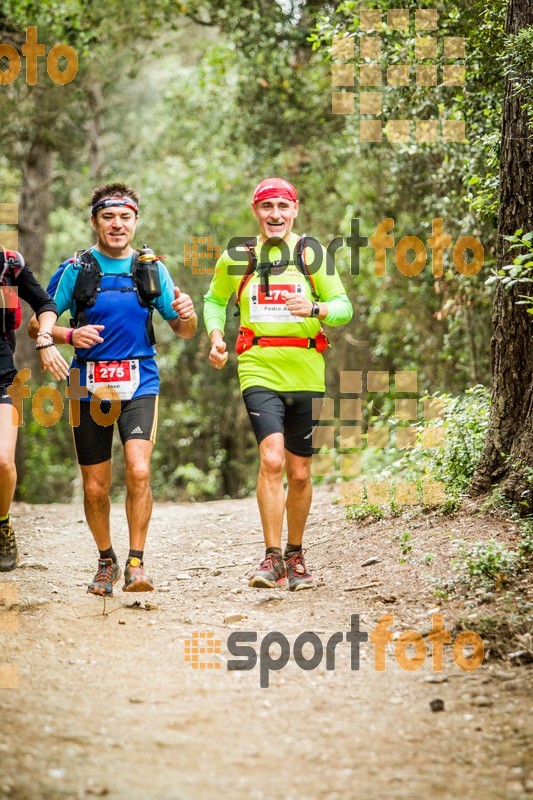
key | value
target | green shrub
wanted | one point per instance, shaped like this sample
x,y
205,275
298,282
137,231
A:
x,y
365,511
465,424
490,563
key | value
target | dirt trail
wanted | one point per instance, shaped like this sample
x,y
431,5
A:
x,y
108,706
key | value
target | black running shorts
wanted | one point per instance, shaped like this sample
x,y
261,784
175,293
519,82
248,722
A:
x,y
137,420
7,371
289,413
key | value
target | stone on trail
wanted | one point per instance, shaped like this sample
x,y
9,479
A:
x,y
234,618
206,544
481,701
372,560
437,704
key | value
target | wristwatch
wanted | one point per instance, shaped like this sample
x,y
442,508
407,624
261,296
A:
x,y
315,311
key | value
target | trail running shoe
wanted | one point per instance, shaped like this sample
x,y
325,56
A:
x,y
135,578
271,573
107,575
298,575
8,547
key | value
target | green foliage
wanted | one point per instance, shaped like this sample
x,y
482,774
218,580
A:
x,y
490,562
464,426
49,469
406,546
364,511
521,270
525,544
518,65
524,522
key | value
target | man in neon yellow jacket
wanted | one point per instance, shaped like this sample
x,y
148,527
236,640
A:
x,y
285,292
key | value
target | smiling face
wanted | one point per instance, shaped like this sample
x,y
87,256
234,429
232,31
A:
x,y
115,229
275,217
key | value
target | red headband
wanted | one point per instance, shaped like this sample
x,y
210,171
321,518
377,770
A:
x,y
274,187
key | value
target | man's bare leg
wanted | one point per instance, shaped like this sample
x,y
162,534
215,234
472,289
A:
x,y
270,493
299,495
271,502
137,453
96,488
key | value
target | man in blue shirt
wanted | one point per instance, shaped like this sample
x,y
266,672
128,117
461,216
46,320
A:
x,y
114,359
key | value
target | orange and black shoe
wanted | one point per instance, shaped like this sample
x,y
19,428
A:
x,y
271,572
135,578
107,574
297,572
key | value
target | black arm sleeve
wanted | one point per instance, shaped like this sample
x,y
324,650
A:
x,y
33,293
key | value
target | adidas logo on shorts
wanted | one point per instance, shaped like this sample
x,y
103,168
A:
x,y
136,430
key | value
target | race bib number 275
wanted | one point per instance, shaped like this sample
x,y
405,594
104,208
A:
x,y
122,376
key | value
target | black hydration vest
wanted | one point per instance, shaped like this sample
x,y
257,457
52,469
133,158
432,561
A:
x,y
144,275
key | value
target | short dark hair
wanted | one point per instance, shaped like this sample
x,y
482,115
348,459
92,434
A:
x,y
114,190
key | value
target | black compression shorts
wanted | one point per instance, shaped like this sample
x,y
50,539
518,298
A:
x,y
137,420
289,413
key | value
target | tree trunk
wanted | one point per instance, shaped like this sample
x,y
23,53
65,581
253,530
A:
x,y
34,208
35,203
508,448
94,129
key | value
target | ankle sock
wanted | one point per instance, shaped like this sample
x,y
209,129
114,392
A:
x,y
136,554
109,553
4,519
293,548
274,550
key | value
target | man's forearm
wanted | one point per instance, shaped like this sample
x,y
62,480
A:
x,y
216,336
186,328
